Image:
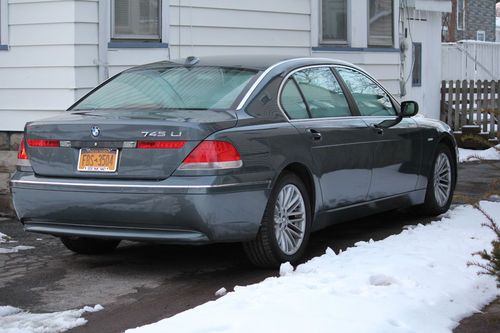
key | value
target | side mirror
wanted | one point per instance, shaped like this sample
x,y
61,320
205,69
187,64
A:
x,y
409,109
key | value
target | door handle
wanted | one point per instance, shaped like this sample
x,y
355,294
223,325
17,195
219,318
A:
x,y
377,129
314,134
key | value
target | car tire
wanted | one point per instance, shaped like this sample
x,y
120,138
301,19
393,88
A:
x,y
84,245
281,238
439,194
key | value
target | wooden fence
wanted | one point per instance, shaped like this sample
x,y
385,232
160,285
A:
x,y
472,104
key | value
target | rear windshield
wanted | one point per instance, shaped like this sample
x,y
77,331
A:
x,y
194,88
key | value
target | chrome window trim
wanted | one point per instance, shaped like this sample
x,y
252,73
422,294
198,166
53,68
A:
x,y
252,89
145,186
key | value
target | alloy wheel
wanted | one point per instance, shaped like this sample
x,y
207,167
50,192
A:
x,y
442,179
289,219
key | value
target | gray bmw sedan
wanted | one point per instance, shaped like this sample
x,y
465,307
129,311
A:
x,y
259,150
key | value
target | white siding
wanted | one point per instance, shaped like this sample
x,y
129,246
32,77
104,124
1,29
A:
x,y
59,48
428,33
204,27
53,47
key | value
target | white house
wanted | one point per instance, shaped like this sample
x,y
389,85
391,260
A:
x,y
53,52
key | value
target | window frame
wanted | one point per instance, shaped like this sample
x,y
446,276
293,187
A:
x,y
460,9
350,102
392,28
415,83
395,104
131,37
4,25
483,33
324,41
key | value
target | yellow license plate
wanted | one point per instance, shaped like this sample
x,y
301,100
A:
x,y
98,160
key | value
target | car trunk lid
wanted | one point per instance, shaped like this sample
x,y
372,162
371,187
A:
x,y
122,131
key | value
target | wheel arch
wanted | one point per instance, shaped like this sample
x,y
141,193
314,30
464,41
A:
x,y
305,175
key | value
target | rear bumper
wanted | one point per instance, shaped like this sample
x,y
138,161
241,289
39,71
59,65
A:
x,y
192,210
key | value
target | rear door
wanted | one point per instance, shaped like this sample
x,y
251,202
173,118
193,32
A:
x,y
397,150
318,108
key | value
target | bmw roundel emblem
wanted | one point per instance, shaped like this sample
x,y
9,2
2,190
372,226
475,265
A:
x,y
95,131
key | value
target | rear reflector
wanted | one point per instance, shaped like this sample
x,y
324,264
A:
x,y
160,144
43,143
212,155
22,154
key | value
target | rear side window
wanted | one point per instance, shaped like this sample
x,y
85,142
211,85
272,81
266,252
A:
x,y
292,101
194,88
370,98
322,92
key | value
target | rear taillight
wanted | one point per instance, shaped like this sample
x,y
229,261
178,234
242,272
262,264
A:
x,y
22,154
160,144
210,155
43,143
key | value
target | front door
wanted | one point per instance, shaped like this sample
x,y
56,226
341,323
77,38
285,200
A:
x,y
397,150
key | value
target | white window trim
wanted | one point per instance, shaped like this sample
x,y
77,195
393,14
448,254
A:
x,y
138,37
4,22
348,28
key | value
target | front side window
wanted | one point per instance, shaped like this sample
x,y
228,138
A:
x,y
460,14
322,93
370,98
334,21
195,88
136,19
380,24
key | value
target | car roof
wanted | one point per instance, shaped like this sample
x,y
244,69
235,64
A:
x,y
255,62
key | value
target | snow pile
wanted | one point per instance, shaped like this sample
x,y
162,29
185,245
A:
x,y
6,239
14,320
417,281
221,292
468,155
15,249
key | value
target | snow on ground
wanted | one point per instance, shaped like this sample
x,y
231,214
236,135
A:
x,y
417,281
4,239
14,320
468,155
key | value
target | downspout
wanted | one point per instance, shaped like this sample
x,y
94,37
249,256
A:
x,y
102,57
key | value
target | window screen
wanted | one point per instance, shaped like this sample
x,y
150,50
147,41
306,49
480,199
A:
x,y
136,19
370,98
334,20
380,23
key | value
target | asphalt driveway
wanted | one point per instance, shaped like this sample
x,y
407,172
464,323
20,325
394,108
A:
x,y
141,283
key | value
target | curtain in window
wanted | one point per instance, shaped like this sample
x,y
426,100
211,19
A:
x,y
136,19
334,20
380,23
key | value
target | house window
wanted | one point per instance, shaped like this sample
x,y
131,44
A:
x,y
416,75
460,14
334,21
481,35
380,23
4,34
136,19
